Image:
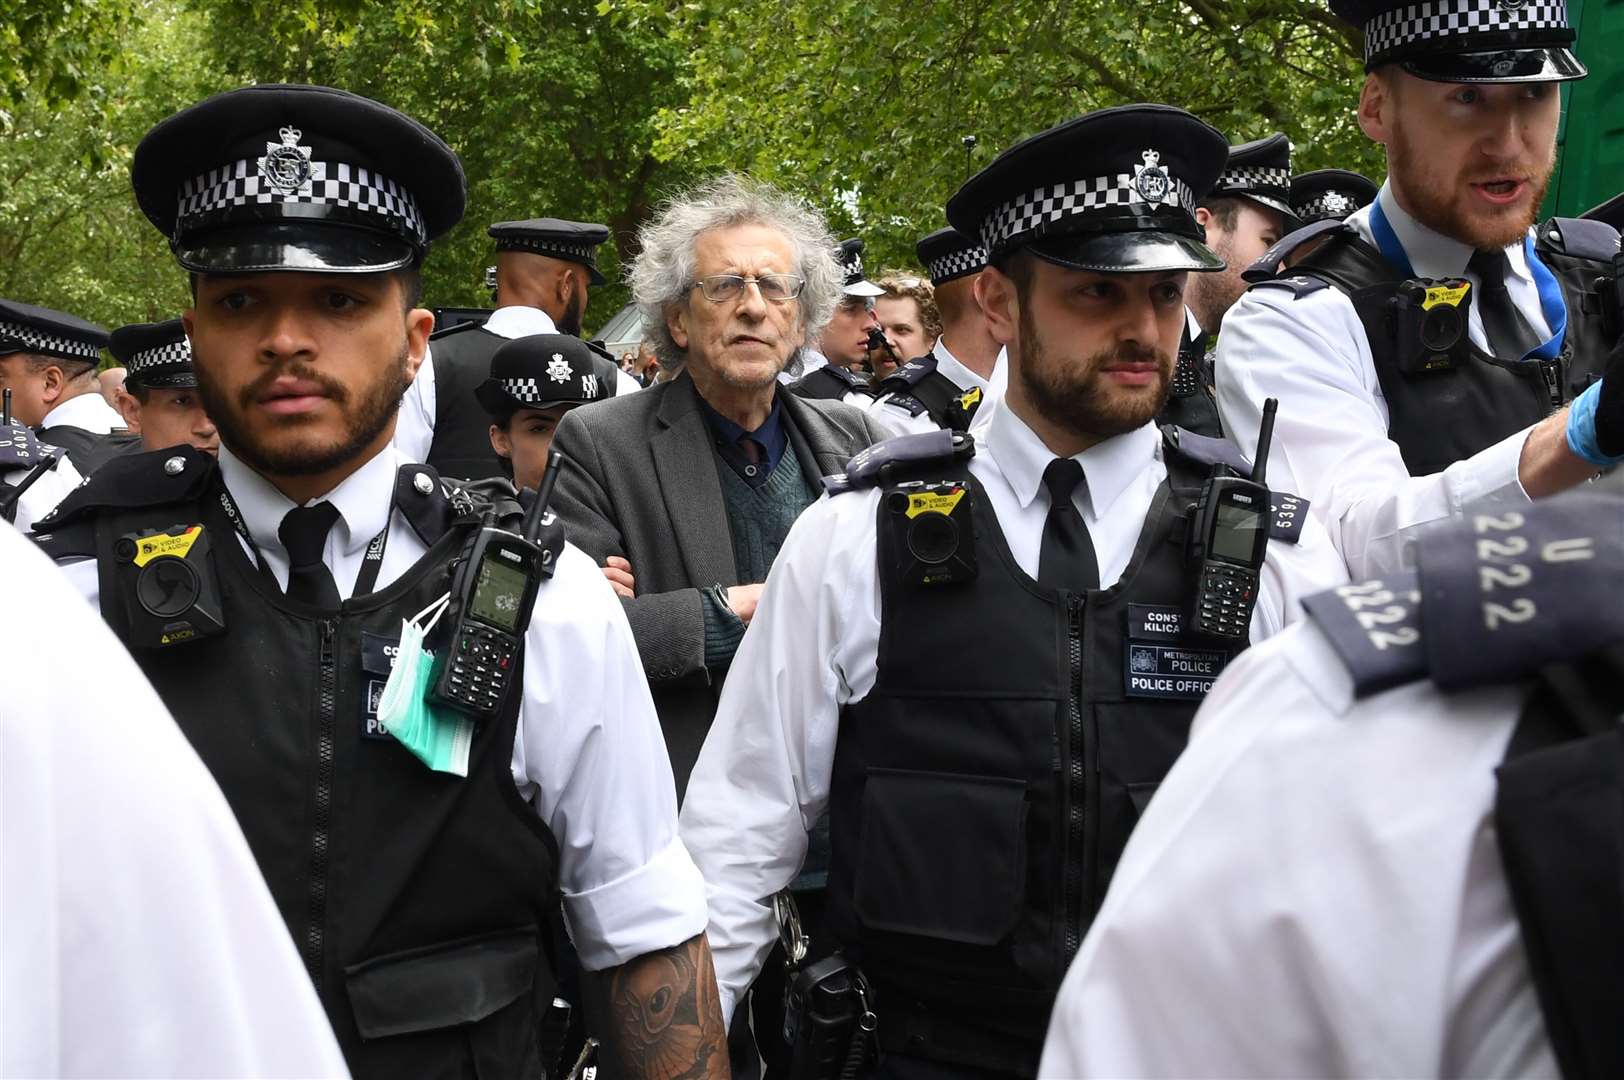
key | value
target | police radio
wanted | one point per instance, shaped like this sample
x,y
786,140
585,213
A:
x,y
493,591
1229,534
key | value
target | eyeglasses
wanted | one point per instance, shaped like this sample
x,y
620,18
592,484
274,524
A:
x,y
720,288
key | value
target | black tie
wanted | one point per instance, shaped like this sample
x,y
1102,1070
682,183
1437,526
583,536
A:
x,y
1509,334
1066,558
755,460
304,532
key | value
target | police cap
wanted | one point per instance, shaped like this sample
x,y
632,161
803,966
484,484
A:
x,y
572,241
1260,170
947,254
281,177
1113,190
850,256
541,371
156,356
1467,41
43,332
1329,194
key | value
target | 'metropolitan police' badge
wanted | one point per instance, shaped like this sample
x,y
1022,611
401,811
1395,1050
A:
x,y
1337,203
286,167
1151,179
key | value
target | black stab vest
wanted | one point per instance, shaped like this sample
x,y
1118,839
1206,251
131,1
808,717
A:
x,y
976,817
921,384
1439,418
418,900
462,428
86,449
828,383
1190,403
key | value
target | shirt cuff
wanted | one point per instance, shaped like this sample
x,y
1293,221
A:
x,y
1490,474
723,629
658,905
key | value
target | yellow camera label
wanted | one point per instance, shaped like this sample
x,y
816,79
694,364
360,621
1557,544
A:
x,y
1446,294
937,502
159,545
970,398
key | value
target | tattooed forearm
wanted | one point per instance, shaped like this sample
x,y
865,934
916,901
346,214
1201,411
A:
x,y
659,1017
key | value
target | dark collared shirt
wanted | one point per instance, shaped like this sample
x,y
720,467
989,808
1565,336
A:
x,y
771,436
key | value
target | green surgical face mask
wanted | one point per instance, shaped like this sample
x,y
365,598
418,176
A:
x,y
441,738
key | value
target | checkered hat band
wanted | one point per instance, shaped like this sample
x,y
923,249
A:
x,y
1459,18
1055,202
169,354
1328,204
853,265
957,264
49,344
547,391
574,252
331,183
1254,178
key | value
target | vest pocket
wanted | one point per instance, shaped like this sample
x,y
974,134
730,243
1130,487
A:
x,y
942,855
482,985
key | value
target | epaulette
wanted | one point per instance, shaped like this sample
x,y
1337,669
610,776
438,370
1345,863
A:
x,y
905,401
20,448
1267,267
1301,285
850,378
432,505
1288,513
153,478
1515,590
1581,238
885,462
455,328
909,375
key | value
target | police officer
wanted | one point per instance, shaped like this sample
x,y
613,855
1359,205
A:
x,y
160,401
1446,334
35,475
963,373
419,897
980,667
534,381
544,270
828,371
48,362
1393,847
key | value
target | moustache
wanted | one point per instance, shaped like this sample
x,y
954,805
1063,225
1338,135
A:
x,y
330,387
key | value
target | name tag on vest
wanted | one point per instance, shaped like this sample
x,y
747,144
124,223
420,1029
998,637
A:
x,y
378,655
1155,665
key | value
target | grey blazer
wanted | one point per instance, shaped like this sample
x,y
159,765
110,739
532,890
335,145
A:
x,y
641,483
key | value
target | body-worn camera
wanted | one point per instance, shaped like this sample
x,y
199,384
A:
x,y
932,532
1430,321
165,583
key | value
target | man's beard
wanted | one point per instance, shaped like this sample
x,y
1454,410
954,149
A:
x,y
1437,198
1075,397
1212,294
570,322
369,417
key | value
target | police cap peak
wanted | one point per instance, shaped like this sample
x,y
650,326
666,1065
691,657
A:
x,y
1467,41
1260,170
292,177
1329,194
948,254
572,241
156,356
544,370
44,332
1114,190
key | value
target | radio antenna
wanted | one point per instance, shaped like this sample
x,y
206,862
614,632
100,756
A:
x,y
544,495
1265,436
5,410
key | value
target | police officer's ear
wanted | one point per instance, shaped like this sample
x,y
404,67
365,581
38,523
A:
x,y
1000,301
129,407
500,441
53,380
1377,102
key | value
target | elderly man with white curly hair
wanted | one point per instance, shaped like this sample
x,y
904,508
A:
x,y
684,493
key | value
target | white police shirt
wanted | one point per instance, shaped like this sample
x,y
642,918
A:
x,y
896,419
137,937
1330,437
89,411
1315,890
588,754
43,495
762,778
414,429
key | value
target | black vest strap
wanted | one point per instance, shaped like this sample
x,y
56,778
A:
x,y
1559,818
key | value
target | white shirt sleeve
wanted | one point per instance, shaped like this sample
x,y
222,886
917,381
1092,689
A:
x,y
1314,890
1291,572
763,775
43,495
1330,436
590,755
414,427
139,939
896,420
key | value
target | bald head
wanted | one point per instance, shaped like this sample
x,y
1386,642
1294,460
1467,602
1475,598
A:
x,y
556,286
